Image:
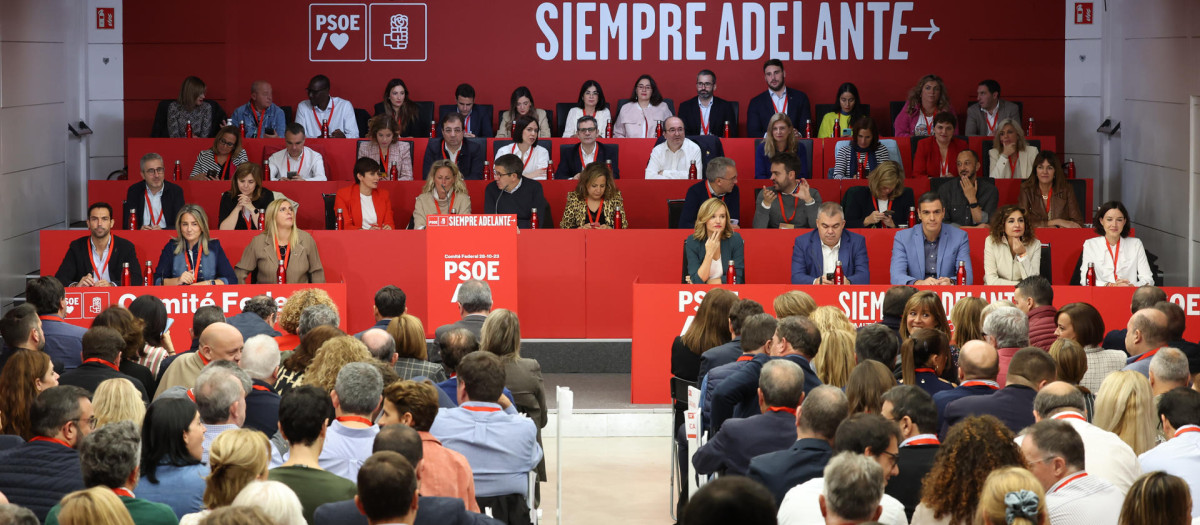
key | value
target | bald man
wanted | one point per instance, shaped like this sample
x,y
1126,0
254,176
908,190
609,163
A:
x,y
263,119
978,366
218,342
1144,336
674,157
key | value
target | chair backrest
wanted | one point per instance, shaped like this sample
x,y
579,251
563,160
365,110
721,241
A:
x,y
912,142
330,215
288,114
737,114
894,109
562,108
937,182
1046,268
674,210
498,144
1020,109
985,158
613,152
684,280
361,117
424,116
1079,186
550,120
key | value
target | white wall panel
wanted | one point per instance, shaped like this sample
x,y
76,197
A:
x,y
106,70
36,193
1158,69
33,73
31,136
107,120
1083,116
1156,133
33,20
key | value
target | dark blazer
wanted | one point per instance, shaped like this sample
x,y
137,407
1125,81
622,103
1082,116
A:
x,y
808,263
720,355
250,325
740,440
64,341
135,199
414,129
944,398
38,474
1013,405
522,202
732,249
88,376
140,372
480,125
473,322
229,203
77,262
721,112
470,158
739,391
914,463
1114,340
430,511
697,194
762,164
760,111
858,204
262,408
782,470
571,162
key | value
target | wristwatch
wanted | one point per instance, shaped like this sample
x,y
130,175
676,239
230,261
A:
x,y
973,205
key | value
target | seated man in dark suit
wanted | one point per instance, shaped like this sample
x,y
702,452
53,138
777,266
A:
x,y
476,121
259,314
1144,297
155,200
515,194
39,473
1176,324
706,114
817,421
978,365
260,360
914,412
102,348
720,181
778,98
1031,369
98,260
780,391
816,254
729,352
469,156
587,152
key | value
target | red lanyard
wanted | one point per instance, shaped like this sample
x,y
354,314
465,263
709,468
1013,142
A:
x,y
289,163
51,318
862,165
481,409
249,224
1048,198
991,121
258,122
588,212
875,203
203,360
1185,429
583,158
927,370
795,208
1147,355
383,155
990,384
150,209
104,263
517,151
104,362
467,123
325,127
928,123
122,491
449,208
789,410
446,152
1068,481
261,388
745,358
187,260
227,167
922,439
703,121
279,253
50,440
1114,254
192,395
1069,415
1012,164
785,104
355,419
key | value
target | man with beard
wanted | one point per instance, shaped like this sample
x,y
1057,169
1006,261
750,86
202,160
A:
x,y
778,98
789,202
97,260
705,114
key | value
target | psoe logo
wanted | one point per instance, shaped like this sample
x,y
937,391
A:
x,y
337,32
399,32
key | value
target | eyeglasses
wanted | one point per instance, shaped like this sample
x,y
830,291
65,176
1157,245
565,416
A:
x,y
1042,460
895,457
706,84
91,421
587,130
227,143
159,170
499,173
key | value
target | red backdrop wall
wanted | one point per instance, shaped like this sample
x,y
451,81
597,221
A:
x,y
495,46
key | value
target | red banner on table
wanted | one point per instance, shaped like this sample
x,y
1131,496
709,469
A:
x,y
464,247
84,304
663,311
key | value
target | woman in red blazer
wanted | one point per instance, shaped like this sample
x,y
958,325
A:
x,y
364,206
938,157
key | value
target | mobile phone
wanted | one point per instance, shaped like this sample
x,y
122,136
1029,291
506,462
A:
x,y
269,131
889,213
829,276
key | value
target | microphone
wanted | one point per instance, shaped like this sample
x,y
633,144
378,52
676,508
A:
x,y
496,205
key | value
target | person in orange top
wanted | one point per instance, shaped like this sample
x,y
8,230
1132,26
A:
x,y
937,157
364,206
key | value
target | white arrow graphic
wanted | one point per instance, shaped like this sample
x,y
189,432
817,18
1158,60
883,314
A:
x,y
931,30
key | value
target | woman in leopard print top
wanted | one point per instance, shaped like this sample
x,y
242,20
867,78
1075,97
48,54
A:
x,y
594,201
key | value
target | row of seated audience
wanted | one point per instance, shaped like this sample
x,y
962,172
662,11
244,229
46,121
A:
x,y
938,412
325,115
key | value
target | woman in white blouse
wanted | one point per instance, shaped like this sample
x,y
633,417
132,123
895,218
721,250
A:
x,y
591,104
1011,252
1011,157
534,158
639,117
1119,260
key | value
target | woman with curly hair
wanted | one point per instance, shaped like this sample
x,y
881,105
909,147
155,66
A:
x,y
973,448
26,374
120,319
293,368
925,100
289,315
331,357
866,386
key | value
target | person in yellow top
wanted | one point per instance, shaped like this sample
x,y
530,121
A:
x,y
848,111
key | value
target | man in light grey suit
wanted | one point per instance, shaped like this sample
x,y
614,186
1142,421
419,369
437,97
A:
x,y
983,116
474,304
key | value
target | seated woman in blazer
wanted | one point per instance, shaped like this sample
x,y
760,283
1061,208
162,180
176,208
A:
x,y
883,203
521,105
1047,196
383,148
937,157
1011,157
282,242
245,200
1119,260
594,200
444,193
364,206
713,245
1011,252
193,258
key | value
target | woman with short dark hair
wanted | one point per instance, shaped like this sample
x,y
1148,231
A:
x,y
172,445
1119,260
1047,197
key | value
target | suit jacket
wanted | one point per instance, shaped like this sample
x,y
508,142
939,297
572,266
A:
x,y
782,470
720,355
1063,205
260,257
720,113
740,440
808,261
697,194
77,262
732,249
945,397
480,123
250,325
135,199
88,376
908,254
858,203
472,322
431,510
977,120
1012,405
348,199
737,391
262,408
914,463
470,158
64,341
760,110
571,162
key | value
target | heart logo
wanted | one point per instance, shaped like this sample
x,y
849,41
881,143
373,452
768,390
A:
x,y
339,40
70,309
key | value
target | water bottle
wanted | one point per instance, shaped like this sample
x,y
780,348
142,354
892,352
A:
x,y
1090,278
262,216
1070,168
242,127
533,219
658,129
838,277
912,216
731,274
149,278
178,171
617,219
341,221
1029,130
608,134
266,169
133,219
549,167
281,275
837,127
432,129
487,170
188,130
961,277
513,132
726,129
395,172
124,274
692,171
808,129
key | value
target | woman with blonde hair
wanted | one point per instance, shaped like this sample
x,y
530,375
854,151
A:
x,y
883,203
868,382
501,335
793,303
235,458
965,319
1070,365
1012,496
713,245
282,245
781,138
193,257
1158,498
973,448
275,499
831,318
412,354
1011,157
95,506
444,193
1125,407
115,400
835,358
331,357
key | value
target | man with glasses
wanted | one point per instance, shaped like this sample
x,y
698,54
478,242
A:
x,y
514,194
40,472
97,260
296,161
326,116
1054,451
575,158
789,202
720,181
816,254
674,157
706,114
154,199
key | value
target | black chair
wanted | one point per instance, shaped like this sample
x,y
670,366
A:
x,y
737,108
1079,186
621,104
610,152
287,118
986,158
361,117
1020,110
894,108
674,210
410,222
424,116
679,396
935,183
1046,269
710,146
561,109
330,214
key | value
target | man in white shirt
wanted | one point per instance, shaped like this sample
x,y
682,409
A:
x,y
356,397
869,434
1108,456
296,161
1179,411
326,116
1054,452
674,158
853,489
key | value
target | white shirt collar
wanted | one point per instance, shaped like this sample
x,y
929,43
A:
x,y
514,188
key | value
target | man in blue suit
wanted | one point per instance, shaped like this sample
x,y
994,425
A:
x,y
978,365
780,391
930,254
778,98
817,252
